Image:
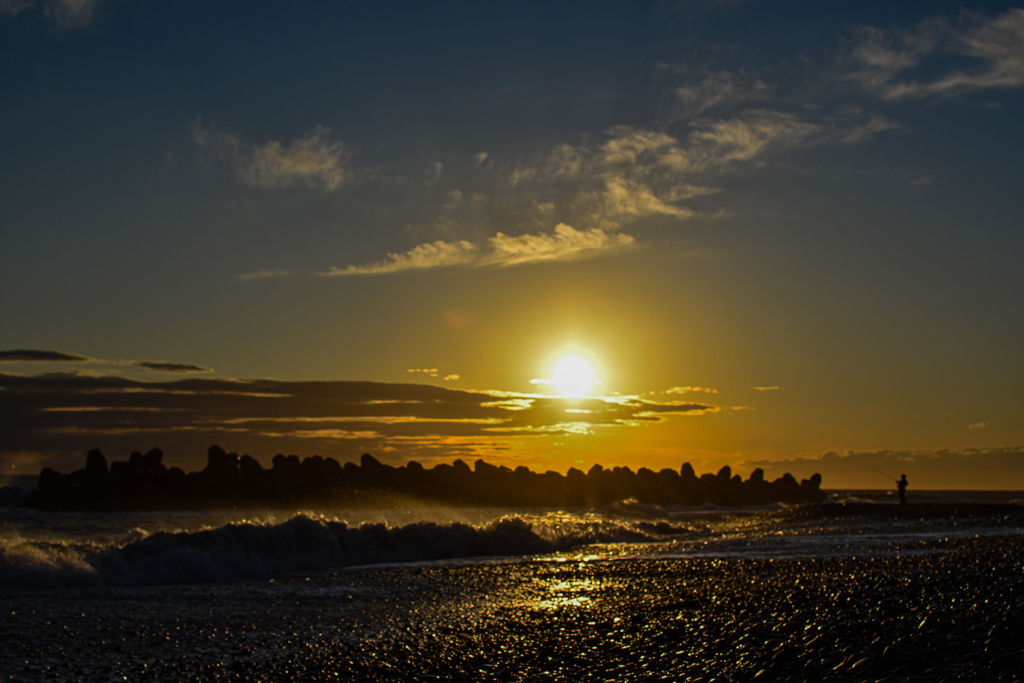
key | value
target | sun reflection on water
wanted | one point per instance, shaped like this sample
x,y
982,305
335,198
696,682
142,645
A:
x,y
557,592
561,594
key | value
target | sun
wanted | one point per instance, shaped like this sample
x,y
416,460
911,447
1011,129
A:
x,y
573,377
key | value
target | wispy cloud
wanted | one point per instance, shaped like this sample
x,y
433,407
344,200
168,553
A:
x,y
718,89
885,54
161,366
633,174
433,372
594,192
49,356
563,244
938,59
313,160
744,138
686,390
421,257
626,200
639,172
264,275
42,356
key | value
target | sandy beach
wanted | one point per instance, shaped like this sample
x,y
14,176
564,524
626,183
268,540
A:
x,y
941,610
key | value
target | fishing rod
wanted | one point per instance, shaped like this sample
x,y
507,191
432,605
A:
x,y
879,472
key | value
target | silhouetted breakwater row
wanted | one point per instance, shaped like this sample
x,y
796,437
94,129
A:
x,y
230,480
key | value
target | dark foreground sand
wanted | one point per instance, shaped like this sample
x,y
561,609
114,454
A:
x,y
953,613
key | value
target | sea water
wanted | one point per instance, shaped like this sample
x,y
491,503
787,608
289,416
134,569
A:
x,y
623,592
55,549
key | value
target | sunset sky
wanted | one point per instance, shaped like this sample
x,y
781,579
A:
x,y
777,234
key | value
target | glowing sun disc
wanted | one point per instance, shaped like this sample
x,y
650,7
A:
x,y
573,377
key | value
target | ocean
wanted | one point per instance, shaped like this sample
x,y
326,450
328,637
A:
x,y
477,593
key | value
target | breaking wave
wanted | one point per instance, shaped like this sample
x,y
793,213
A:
x,y
303,543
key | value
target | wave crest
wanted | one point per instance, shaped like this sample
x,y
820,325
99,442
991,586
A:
x,y
302,543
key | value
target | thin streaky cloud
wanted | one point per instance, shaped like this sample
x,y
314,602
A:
x,y
437,254
719,89
264,275
49,356
686,390
719,145
626,200
161,366
999,44
884,54
565,243
855,134
42,356
744,138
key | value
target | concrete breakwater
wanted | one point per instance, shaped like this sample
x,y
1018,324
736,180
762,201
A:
x,y
230,480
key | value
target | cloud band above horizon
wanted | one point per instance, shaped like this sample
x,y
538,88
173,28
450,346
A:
x,y
67,414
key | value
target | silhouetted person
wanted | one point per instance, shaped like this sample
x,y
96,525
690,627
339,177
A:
x,y
901,487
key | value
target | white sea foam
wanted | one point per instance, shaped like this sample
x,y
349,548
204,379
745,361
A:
x,y
42,564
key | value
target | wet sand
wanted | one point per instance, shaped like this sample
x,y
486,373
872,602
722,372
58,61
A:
x,y
939,611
